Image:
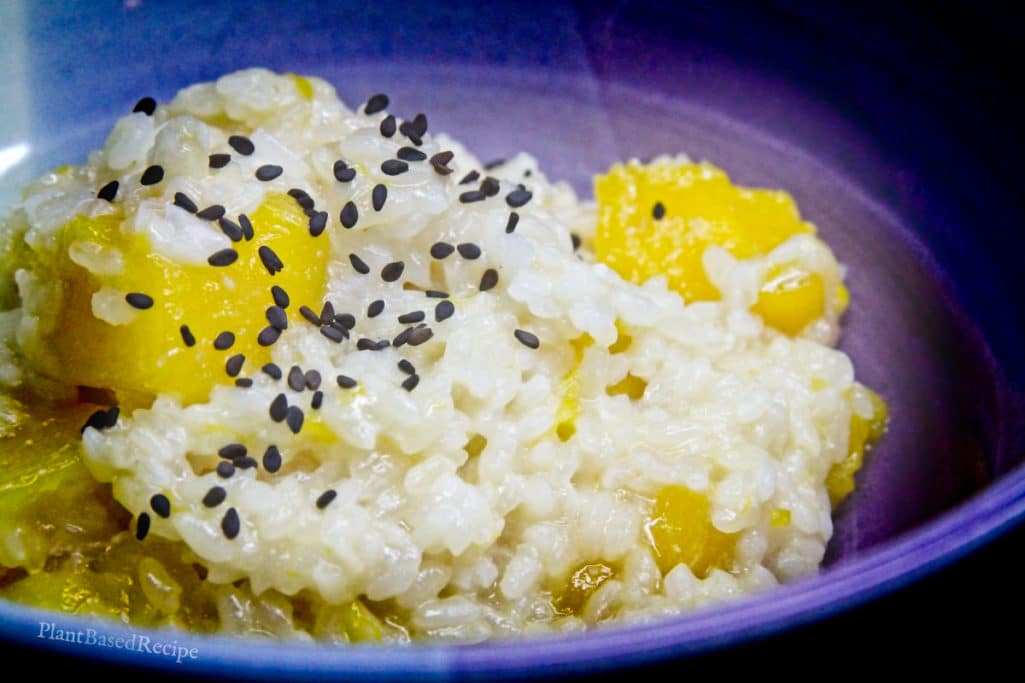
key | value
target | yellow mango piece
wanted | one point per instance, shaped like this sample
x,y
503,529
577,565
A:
x,y
303,85
352,622
630,385
865,432
580,586
790,298
658,219
49,503
147,355
681,530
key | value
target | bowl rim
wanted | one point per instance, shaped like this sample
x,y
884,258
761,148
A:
x,y
880,570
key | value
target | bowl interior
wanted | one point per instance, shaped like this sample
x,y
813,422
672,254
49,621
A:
x,y
779,97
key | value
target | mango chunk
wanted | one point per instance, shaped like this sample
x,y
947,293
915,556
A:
x,y
658,219
148,354
790,298
681,530
580,586
865,432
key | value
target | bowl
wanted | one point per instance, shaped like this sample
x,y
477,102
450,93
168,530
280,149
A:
x,y
895,143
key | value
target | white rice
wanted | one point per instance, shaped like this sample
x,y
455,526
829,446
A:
x,y
469,546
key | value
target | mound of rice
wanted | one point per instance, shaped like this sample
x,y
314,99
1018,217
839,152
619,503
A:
x,y
466,497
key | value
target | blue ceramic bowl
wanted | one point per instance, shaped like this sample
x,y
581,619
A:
x,y
891,141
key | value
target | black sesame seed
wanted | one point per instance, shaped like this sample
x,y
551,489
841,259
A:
x,y
277,317
247,226
297,192
472,196
489,279
230,524
365,344
402,337
233,451
469,178
514,219
440,162
161,505
435,294
108,191
394,167
296,378
349,215
246,463
219,160
332,333
243,382
317,400
224,257
233,365
241,144
312,380
407,367
268,336
268,172
469,250
147,105
358,264
214,497
419,335
490,186
327,313
392,271
518,198
346,320
182,201
211,213
272,370
410,154
345,382
142,526
224,341
343,173
317,223
574,240
272,459
138,300
413,317
376,103
325,498
419,124
280,296
187,336
410,382
527,339
307,312
379,196
440,250
270,260
230,228
494,163
152,175
382,345
388,126
407,129
375,308
444,310
225,469
294,419
304,201
279,408
111,417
